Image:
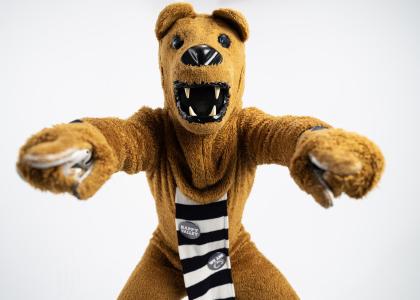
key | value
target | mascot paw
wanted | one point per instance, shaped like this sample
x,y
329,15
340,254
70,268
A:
x,y
329,162
72,158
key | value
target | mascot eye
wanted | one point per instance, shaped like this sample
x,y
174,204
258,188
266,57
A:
x,y
224,40
177,42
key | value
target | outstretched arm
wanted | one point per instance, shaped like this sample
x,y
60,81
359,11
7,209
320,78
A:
x,y
323,161
272,139
79,157
135,141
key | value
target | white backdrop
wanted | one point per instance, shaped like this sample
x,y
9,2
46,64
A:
x,y
354,64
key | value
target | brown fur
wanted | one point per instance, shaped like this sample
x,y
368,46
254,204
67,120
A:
x,y
208,160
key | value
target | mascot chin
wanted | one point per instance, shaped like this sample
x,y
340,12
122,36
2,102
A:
x,y
200,153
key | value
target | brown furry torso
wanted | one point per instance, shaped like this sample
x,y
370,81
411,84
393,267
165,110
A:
x,y
203,167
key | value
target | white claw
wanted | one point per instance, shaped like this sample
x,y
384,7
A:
x,y
191,111
328,194
317,163
73,163
213,111
45,161
187,92
217,91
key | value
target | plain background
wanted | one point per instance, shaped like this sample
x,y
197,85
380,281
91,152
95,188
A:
x,y
354,64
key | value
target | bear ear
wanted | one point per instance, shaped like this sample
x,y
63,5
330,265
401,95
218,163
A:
x,y
234,19
169,15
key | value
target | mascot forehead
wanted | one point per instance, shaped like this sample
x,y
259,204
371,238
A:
x,y
201,26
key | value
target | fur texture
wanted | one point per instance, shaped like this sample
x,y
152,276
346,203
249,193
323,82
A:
x,y
205,161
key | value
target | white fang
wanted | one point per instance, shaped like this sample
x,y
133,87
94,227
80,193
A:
x,y
191,111
217,91
187,92
213,111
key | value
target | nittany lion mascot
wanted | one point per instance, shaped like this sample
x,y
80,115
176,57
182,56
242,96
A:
x,y
200,153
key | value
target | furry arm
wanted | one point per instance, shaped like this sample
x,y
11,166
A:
x,y
133,141
324,163
271,139
80,157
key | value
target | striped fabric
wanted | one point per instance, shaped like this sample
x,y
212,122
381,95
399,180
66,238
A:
x,y
205,259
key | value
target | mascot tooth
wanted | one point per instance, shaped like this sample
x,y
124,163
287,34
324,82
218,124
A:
x,y
200,152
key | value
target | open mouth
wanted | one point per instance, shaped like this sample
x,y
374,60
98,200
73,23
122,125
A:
x,y
202,103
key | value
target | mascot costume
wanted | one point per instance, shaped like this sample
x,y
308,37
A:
x,y
200,153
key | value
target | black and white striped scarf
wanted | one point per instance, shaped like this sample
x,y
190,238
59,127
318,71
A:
x,y
203,246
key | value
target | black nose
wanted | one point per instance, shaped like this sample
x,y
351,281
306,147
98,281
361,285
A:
x,y
201,55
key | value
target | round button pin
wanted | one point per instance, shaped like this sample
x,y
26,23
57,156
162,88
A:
x,y
189,230
216,261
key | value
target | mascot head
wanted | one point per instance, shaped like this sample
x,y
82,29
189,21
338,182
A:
x,y
202,64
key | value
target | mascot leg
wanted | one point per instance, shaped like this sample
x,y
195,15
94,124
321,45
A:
x,y
255,277
154,278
